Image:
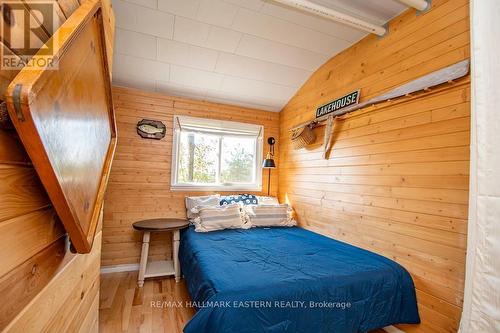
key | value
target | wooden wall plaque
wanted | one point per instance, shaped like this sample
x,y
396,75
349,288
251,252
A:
x,y
66,122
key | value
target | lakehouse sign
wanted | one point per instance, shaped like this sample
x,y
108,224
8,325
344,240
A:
x,y
338,104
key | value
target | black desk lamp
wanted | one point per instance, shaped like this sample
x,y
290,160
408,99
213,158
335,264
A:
x,y
269,162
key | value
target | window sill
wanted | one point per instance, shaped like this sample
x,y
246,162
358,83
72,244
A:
x,y
220,188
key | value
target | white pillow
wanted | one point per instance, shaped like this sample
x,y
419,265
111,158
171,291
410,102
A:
x,y
207,200
270,215
262,200
211,218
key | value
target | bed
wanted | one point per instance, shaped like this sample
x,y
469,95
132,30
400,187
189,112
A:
x,y
290,280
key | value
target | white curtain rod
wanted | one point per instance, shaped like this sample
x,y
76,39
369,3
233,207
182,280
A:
x,y
335,15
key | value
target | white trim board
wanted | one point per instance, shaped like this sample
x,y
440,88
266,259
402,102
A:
x,y
119,268
392,329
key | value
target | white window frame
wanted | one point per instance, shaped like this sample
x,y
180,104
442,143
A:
x,y
222,124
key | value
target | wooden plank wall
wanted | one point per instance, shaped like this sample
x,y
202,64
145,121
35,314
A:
x,y
396,181
44,287
139,185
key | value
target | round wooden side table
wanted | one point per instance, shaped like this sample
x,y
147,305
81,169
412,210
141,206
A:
x,y
162,267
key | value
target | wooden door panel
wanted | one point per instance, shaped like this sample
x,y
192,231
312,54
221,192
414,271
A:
x,y
65,119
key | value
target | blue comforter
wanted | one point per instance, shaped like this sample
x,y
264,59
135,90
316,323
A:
x,y
290,280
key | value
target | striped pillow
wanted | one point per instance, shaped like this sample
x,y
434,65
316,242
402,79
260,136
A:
x,y
207,200
263,200
270,215
213,218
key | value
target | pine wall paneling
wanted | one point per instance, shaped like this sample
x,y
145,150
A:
x,y
34,262
396,182
139,185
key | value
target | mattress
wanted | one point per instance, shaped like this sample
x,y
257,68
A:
x,y
290,280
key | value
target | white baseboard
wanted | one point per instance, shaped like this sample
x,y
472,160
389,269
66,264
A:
x,y
392,329
119,268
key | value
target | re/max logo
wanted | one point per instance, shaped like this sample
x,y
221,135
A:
x,y
339,103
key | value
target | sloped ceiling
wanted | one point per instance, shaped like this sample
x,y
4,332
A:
x,y
252,53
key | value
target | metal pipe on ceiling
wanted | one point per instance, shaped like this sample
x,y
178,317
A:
x,y
417,4
334,15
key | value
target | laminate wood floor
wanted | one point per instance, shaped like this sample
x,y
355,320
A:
x,y
125,308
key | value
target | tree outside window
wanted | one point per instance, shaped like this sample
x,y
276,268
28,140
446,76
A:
x,y
201,154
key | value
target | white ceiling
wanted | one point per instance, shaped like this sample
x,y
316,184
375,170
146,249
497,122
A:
x,y
254,53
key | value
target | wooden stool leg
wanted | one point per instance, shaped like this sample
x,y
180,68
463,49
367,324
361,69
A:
x,y
175,255
144,258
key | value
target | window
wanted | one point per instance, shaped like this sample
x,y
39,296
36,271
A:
x,y
216,155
